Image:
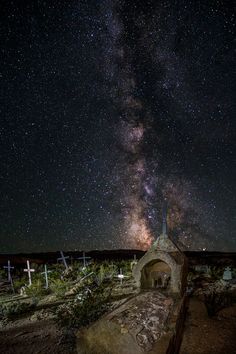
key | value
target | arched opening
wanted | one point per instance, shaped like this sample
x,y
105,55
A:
x,y
156,275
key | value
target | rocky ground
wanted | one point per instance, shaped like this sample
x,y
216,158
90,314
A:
x,y
135,323
36,337
204,335
35,332
38,334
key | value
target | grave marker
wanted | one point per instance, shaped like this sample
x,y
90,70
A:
x,y
29,271
134,262
45,273
121,276
9,277
227,275
84,258
8,267
63,259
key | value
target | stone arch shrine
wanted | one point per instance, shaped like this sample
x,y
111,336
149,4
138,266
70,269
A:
x,y
163,266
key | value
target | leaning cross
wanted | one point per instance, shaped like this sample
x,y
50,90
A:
x,y
8,267
86,276
121,276
29,271
46,271
84,259
63,259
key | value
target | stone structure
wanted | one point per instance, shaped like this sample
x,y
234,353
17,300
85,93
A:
x,y
150,321
132,328
163,266
227,275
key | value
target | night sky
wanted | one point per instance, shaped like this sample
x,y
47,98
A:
x,y
108,108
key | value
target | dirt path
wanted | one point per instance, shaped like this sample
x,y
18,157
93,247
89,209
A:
x,y
204,335
41,337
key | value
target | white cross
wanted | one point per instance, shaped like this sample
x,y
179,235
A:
x,y
84,259
28,270
46,271
113,268
121,276
8,267
63,259
134,262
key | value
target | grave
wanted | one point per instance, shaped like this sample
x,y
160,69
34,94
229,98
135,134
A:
x,y
9,268
121,276
63,259
84,258
150,321
29,271
134,262
45,273
227,275
9,277
163,266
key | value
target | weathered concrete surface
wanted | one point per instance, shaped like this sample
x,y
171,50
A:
x,y
135,327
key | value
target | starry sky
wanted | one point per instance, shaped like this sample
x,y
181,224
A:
x,y
109,109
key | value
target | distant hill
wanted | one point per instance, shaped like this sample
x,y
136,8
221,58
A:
x,y
194,257
51,257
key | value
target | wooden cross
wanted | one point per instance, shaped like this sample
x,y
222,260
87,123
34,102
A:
x,y
46,271
86,276
63,259
134,262
29,271
84,259
121,276
8,267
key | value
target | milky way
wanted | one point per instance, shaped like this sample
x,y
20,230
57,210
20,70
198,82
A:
x,y
148,41
108,108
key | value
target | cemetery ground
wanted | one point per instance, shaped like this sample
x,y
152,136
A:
x,y
43,316
209,335
50,315
210,324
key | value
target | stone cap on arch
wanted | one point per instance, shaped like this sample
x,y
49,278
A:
x,y
163,243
